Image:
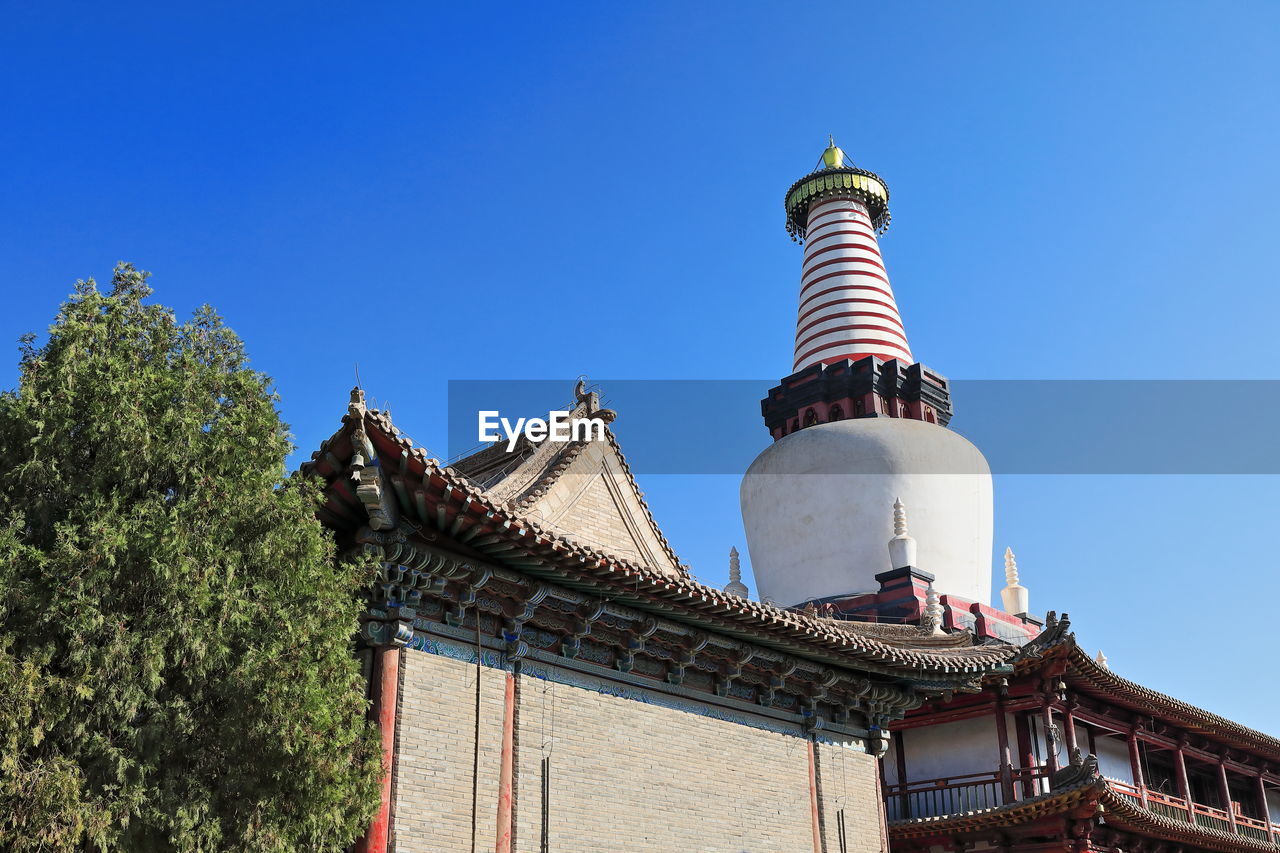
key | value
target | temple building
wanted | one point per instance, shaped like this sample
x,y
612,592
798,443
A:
x,y
1062,754
547,675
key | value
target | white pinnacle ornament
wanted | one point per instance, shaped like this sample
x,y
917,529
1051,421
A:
x,y
1015,596
931,620
735,586
902,548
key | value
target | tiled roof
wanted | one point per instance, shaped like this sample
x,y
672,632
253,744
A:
x,y
1091,677
1088,788
909,635
447,501
1088,793
540,465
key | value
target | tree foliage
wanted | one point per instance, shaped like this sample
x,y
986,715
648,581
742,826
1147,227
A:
x,y
176,669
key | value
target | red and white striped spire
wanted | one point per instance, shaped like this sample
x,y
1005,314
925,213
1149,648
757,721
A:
x,y
847,309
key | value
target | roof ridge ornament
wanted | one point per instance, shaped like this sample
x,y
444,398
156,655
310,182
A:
x,y
356,407
735,586
1015,596
589,401
931,617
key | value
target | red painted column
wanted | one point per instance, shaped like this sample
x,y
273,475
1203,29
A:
x,y
1026,754
503,844
900,753
1051,754
813,798
1224,793
1069,729
883,809
387,662
1184,786
1006,759
1260,788
1135,763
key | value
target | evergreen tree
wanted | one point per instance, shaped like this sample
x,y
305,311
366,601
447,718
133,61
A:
x,y
176,669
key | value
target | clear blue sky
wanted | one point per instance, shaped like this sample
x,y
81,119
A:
x,y
539,190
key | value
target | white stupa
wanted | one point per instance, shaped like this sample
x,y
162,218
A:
x,y
858,425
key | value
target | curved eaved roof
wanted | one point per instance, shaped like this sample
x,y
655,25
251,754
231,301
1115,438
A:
x,y
1082,792
446,500
1089,676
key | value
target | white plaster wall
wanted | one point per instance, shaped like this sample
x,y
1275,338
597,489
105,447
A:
x,y
1273,804
951,749
1040,744
818,509
1113,759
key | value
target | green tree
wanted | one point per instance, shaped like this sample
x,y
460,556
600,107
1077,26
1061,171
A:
x,y
176,667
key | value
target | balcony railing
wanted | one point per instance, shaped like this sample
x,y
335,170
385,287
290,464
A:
x,y
1193,812
957,794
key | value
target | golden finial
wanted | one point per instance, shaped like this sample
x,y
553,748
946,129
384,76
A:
x,y
833,157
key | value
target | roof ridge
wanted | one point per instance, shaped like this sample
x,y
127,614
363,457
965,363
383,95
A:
x,y
681,589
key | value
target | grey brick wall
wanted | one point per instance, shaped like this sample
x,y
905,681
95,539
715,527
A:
x,y
625,775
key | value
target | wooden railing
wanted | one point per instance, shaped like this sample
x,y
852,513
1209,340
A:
x,y
955,794
973,791
1193,812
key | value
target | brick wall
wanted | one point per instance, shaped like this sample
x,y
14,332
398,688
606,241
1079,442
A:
x,y
595,502
848,794
625,773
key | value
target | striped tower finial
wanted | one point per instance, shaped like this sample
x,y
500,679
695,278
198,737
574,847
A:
x,y
847,309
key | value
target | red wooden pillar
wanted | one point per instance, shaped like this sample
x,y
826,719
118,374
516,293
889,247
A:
x,y
882,809
1135,763
1224,794
1264,812
1006,760
1051,753
1184,786
813,798
1069,729
1027,756
900,754
387,663
503,843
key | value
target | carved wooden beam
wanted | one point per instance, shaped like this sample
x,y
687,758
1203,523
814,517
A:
x,y
634,642
686,656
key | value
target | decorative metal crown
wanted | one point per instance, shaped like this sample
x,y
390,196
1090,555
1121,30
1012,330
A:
x,y
833,179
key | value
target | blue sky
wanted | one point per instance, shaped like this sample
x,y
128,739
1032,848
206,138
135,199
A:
x,y
535,191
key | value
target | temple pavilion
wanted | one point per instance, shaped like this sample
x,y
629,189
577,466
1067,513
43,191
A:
x,y
547,675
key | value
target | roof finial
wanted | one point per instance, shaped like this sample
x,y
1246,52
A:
x,y
931,617
356,408
735,586
902,548
1015,596
833,157
1101,660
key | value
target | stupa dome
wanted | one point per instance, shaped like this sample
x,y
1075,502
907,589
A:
x,y
818,508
